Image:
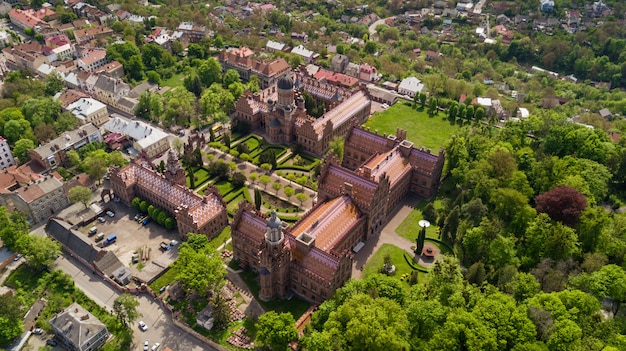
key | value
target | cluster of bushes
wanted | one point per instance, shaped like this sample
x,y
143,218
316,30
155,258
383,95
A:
x,y
157,214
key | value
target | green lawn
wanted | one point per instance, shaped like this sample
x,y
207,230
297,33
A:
x,y
221,237
409,228
234,203
431,132
224,187
175,81
201,175
165,279
397,258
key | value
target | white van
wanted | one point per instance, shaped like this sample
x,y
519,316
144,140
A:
x,y
93,230
99,237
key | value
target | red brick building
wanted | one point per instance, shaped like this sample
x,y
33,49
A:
x,y
193,213
242,61
313,257
279,111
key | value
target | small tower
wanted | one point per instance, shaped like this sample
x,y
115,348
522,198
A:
x,y
274,262
174,170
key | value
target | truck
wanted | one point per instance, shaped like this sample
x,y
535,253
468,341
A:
x,y
164,246
110,239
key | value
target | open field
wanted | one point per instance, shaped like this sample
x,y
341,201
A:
x,y
431,132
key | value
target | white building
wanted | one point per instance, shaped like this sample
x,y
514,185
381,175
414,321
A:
x,y
6,157
144,137
89,110
411,86
308,55
274,46
92,59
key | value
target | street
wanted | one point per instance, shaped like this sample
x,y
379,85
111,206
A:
x,y
159,321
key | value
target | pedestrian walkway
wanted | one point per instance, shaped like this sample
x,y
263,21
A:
x,y
387,236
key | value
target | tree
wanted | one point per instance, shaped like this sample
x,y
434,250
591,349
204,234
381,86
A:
x,y
276,331
80,194
238,180
302,197
96,167
231,76
16,129
54,83
226,140
265,180
289,191
44,132
336,147
125,307
20,150
210,71
258,199
40,251
196,241
277,186
200,271
11,318
253,177
73,157
429,213
562,204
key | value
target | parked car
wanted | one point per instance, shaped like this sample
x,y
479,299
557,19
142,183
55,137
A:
x,y
110,214
181,133
143,326
101,219
38,331
155,346
17,258
52,343
146,345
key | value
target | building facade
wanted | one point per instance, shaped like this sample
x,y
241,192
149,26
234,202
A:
x,y
145,138
313,257
6,156
280,112
243,62
79,330
53,154
193,213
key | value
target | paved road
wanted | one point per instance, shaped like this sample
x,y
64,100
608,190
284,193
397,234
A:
x,y
372,28
160,326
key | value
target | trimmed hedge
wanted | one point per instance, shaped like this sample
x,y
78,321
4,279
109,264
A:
x,y
412,264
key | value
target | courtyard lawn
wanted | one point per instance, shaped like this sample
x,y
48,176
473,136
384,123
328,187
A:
x,y
175,80
201,176
377,261
224,187
233,204
221,237
409,228
167,278
431,132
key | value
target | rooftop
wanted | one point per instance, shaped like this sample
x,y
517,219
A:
x,y
144,134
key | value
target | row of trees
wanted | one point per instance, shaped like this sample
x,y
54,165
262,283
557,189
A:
x,y
157,214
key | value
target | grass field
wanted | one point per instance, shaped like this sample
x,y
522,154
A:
x,y
397,258
422,130
409,228
175,80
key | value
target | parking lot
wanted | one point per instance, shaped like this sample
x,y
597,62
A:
x,y
132,237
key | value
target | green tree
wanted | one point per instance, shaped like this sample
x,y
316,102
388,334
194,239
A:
x,y
210,71
238,180
302,197
479,114
289,191
96,167
196,241
253,177
276,330
202,272
226,140
125,308
336,147
231,76
258,199
277,186
265,180
11,318
54,83
40,251
73,157
20,150
80,194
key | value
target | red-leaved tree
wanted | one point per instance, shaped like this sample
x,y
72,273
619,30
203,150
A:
x,y
563,204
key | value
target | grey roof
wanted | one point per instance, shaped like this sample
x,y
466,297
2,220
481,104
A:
x,y
66,140
77,325
108,263
109,84
72,240
136,92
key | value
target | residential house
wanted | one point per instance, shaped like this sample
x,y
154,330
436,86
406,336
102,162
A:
x,y
368,73
334,78
89,110
193,32
33,19
110,90
85,35
242,61
145,138
92,59
51,155
274,46
6,156
38,198
301,37
79,330
339,63
411,86
69,96
380,95
112,69
27,56
307,55
606,114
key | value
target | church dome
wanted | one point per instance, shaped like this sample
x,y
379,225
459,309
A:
x,y
274,222
285,83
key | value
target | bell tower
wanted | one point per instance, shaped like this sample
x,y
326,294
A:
x,y
174,170
274,261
